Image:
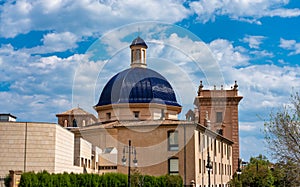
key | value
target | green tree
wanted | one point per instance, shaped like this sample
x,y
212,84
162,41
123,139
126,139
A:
x,y
256,173
7,181
282,133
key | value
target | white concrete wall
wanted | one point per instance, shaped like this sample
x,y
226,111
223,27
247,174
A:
x,y
48,147
64,151
39,152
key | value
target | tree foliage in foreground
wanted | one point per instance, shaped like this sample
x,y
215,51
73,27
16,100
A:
x,y
282,133
256,173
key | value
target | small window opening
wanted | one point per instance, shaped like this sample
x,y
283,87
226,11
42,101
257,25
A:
x,y
136,114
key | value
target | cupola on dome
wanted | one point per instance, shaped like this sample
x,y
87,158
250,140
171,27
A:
x,y
148,94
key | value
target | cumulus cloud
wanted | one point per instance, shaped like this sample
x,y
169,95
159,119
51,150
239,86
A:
x,y
248,10
227,55
291,45
84,18
264,87
253,41
54,42
38,86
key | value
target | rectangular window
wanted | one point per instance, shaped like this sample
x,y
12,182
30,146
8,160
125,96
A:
x,y
228,152
207,142
138,55
204,168
203,141
173,140
222,169
132,53
108,115
216,168
162,114
136,114
173,166
143,56
219,117
215,147
222,153
199,139
200,166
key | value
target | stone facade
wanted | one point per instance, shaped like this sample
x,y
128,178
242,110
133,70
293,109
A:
x,y
150,139
222,108
35,147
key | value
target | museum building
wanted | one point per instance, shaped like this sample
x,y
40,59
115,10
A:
x,y
137,124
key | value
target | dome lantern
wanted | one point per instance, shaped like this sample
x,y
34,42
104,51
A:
x,y
138,53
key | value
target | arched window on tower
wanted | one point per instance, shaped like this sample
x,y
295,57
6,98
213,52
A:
x,y
144,56
138,55
132,53
75,123
65,123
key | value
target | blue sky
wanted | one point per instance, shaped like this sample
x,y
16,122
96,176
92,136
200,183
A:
x,y
47,68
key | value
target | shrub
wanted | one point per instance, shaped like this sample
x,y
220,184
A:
x,y
44,179
7,180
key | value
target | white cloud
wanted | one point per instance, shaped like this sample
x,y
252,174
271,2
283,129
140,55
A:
x,y
42,84
261,53
287,44
253,41
247,10
60,41
54,42
291,45
84,18
263,86
227,55
251,126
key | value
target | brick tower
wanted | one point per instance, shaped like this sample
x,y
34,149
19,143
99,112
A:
x,y
222,108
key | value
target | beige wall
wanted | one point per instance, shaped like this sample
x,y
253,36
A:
x,y
39,152
64,151
147,111
150,139
48,147
220,153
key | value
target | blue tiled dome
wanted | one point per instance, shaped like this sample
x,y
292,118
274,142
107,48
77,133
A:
x,y
138,85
